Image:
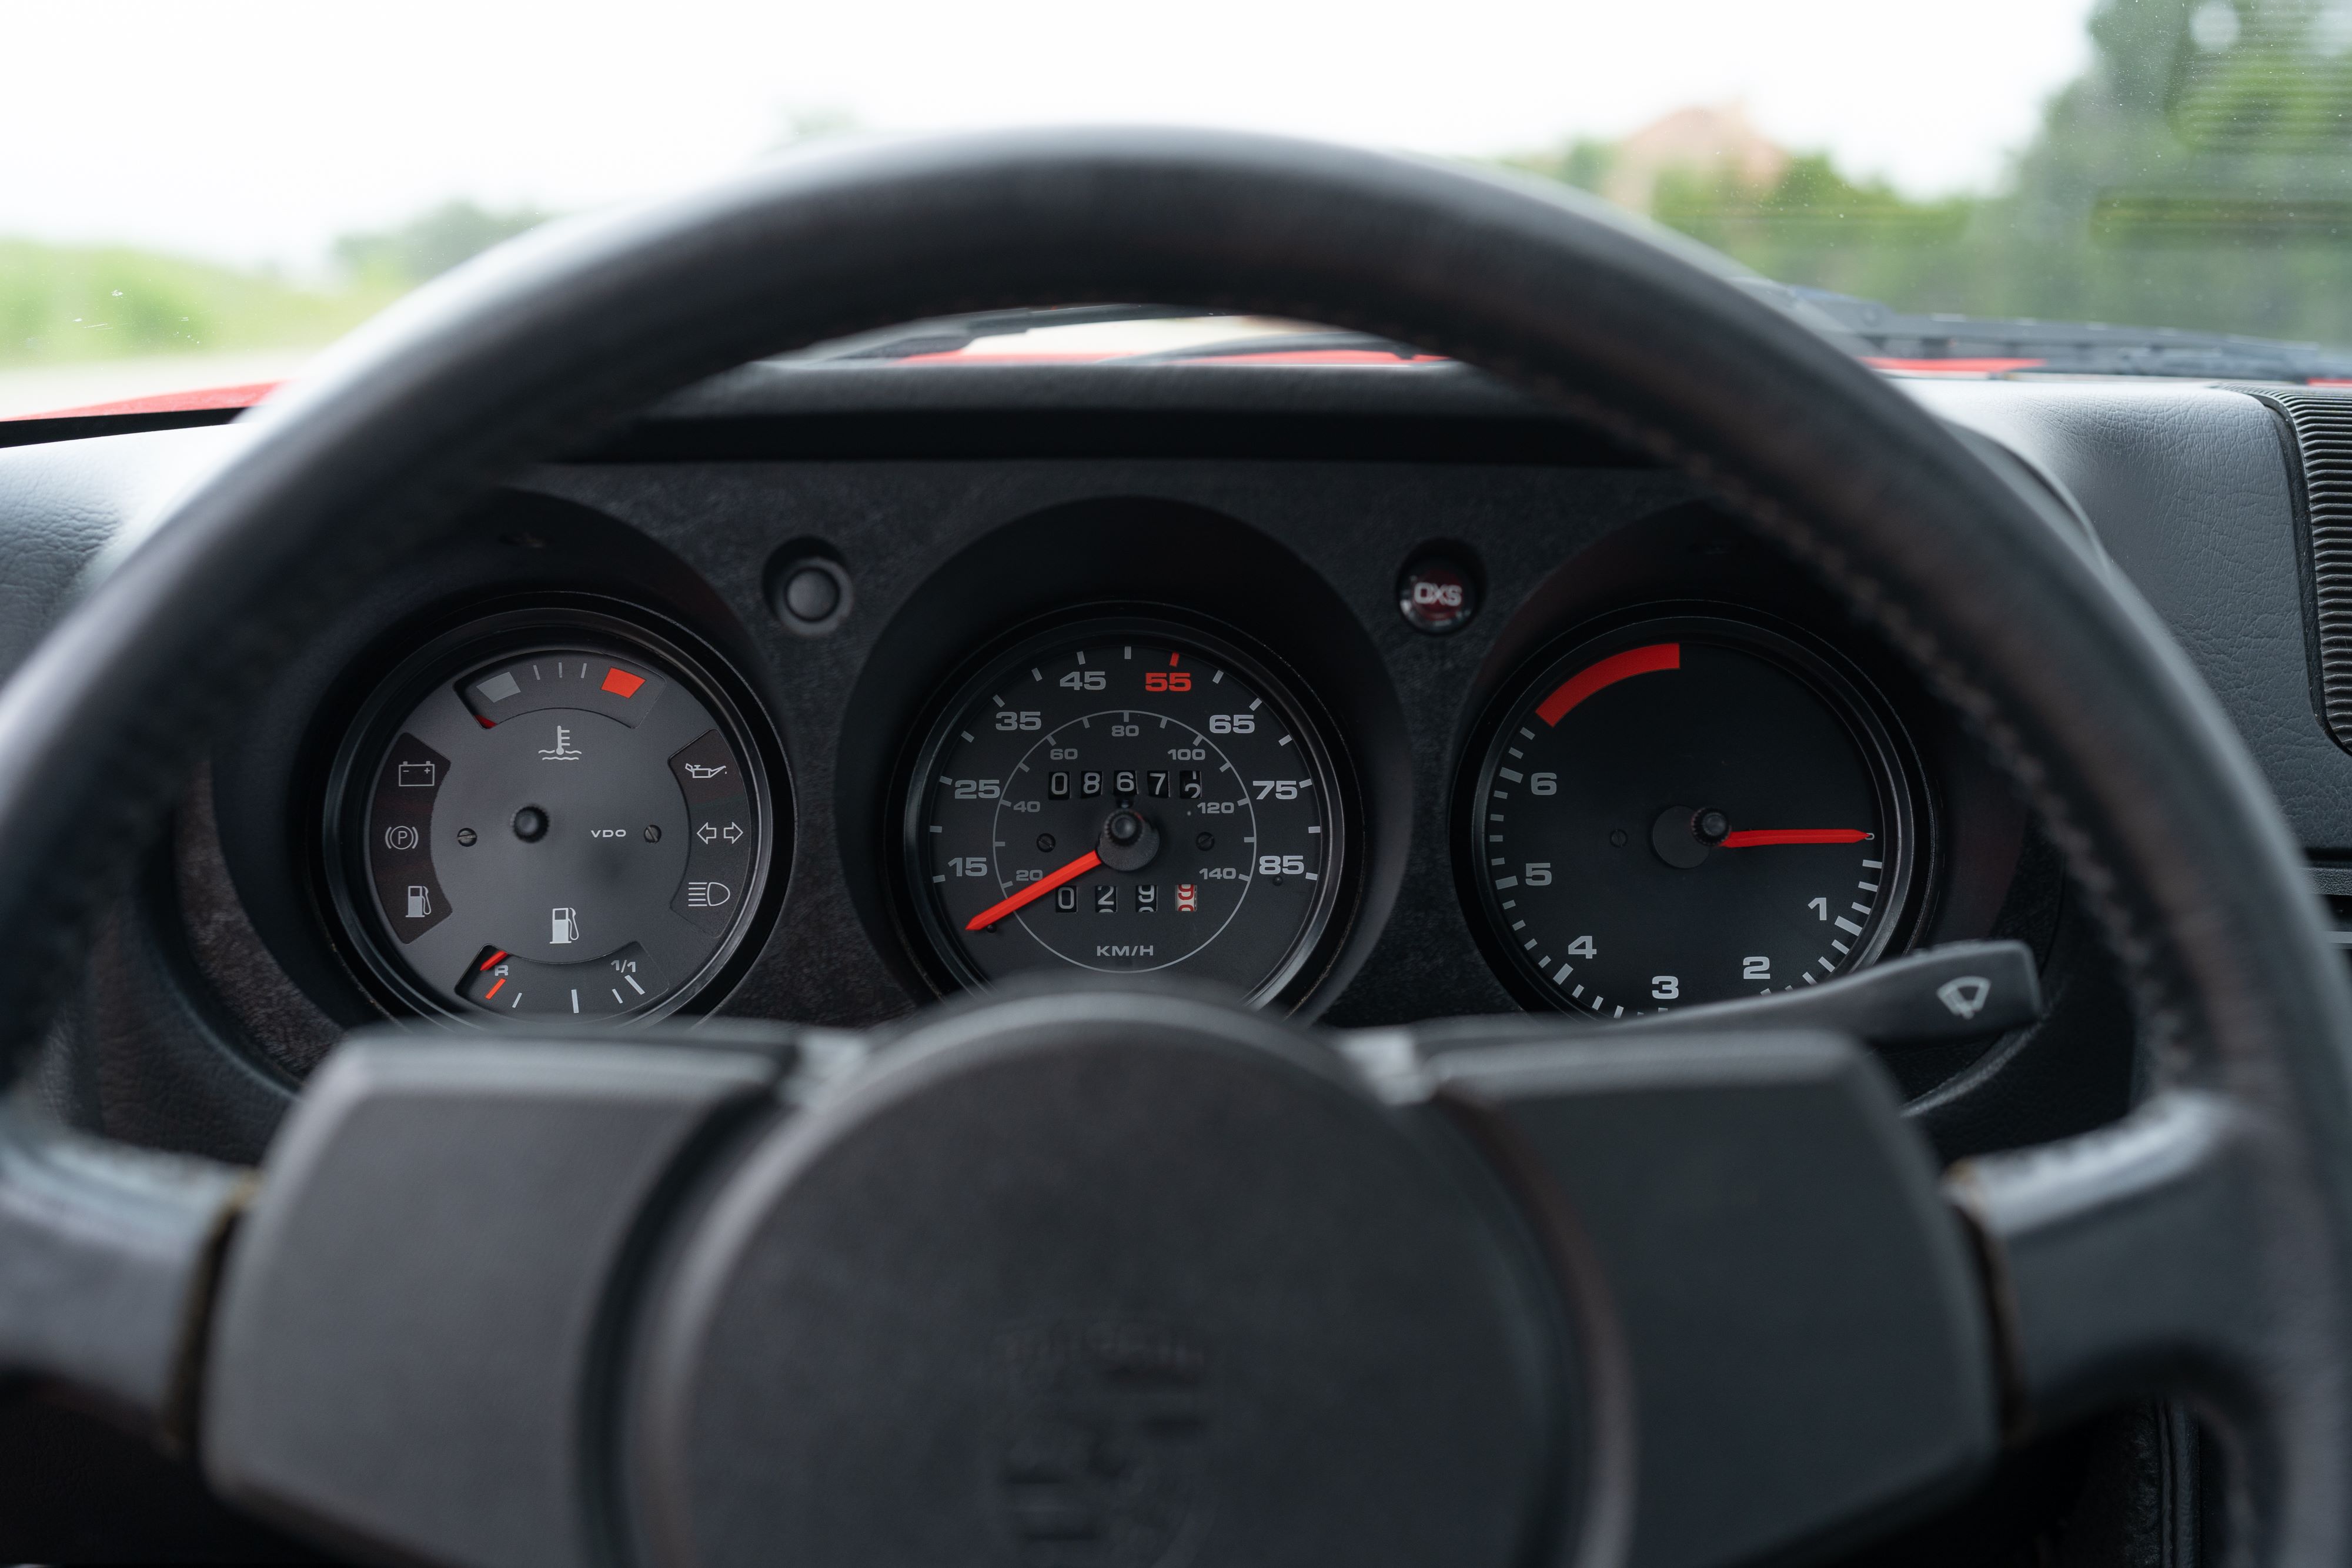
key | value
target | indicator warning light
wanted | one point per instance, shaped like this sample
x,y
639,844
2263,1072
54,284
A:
x,y
621,683
1437,596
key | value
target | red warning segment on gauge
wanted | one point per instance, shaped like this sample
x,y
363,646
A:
x,y
1617,667
534,682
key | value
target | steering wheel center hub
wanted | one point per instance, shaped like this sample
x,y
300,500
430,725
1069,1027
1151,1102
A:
x,y
1131,1270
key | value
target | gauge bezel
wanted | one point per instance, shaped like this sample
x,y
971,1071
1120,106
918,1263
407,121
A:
x,y
376,723
1837,681
929,941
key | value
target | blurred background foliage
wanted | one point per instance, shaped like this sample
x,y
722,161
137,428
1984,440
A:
x,y
429,245
63,304
60,304
2197,174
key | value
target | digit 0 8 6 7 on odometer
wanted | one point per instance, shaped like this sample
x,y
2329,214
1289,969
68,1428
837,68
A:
x,y
1124,798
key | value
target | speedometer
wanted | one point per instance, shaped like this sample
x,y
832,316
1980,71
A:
x,y
1687,810
1123,797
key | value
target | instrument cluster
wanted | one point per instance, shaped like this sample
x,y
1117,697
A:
x,y
1656,794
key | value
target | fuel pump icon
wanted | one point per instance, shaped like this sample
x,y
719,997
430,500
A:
x,y
563,925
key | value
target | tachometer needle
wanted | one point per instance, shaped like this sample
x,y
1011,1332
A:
x,y
1752,838
1033,892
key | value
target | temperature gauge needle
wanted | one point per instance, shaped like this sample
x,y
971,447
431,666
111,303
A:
x,y
1033,892
1752,838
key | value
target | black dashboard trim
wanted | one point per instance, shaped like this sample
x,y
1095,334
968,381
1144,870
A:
x,y
1014,435
84,426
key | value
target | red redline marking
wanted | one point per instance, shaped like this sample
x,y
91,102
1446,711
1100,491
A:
x,y
621,681
494,990
1751,838
1033,892
492,959
1172,660
1617,667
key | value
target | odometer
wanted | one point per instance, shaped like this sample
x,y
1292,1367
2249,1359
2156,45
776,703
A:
x,y
1124,798
1684,811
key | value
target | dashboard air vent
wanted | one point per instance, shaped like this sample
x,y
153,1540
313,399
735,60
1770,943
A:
x,y
2322,426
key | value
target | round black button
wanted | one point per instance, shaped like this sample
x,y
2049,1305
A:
x,y
812,594
531,824
1437,597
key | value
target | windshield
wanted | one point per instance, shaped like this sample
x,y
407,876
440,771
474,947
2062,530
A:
x,y
200,197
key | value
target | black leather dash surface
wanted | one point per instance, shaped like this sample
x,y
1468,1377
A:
x,y
64,502
2189,489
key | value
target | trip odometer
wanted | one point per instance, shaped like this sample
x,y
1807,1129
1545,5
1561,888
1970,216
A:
x,y
1688,810
1124,797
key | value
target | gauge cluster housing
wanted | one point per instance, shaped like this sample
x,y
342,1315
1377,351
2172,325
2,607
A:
x,y
1281,531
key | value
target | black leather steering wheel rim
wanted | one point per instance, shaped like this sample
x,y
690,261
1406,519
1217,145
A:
x,y
2166,825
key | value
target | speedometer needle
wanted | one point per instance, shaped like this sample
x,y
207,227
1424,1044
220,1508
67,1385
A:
x,y
1033,892
1751,838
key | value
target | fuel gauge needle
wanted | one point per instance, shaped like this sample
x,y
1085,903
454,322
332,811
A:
x,y
1033,892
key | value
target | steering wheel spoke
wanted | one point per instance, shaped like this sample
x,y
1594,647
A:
x,y
107,1258
2119,1262
1803,1332
403,1339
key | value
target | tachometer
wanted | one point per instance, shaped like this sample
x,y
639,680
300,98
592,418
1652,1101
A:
x,y
1124,798
1687,810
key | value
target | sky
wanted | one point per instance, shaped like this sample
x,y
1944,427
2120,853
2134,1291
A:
x,y
256,131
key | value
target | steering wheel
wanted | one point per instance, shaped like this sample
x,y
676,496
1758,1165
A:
x,y
1064,1277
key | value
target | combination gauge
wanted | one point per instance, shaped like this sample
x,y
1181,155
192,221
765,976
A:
x,y
551,818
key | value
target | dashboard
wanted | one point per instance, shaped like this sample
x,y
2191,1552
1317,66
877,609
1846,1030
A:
x,y
1369,694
